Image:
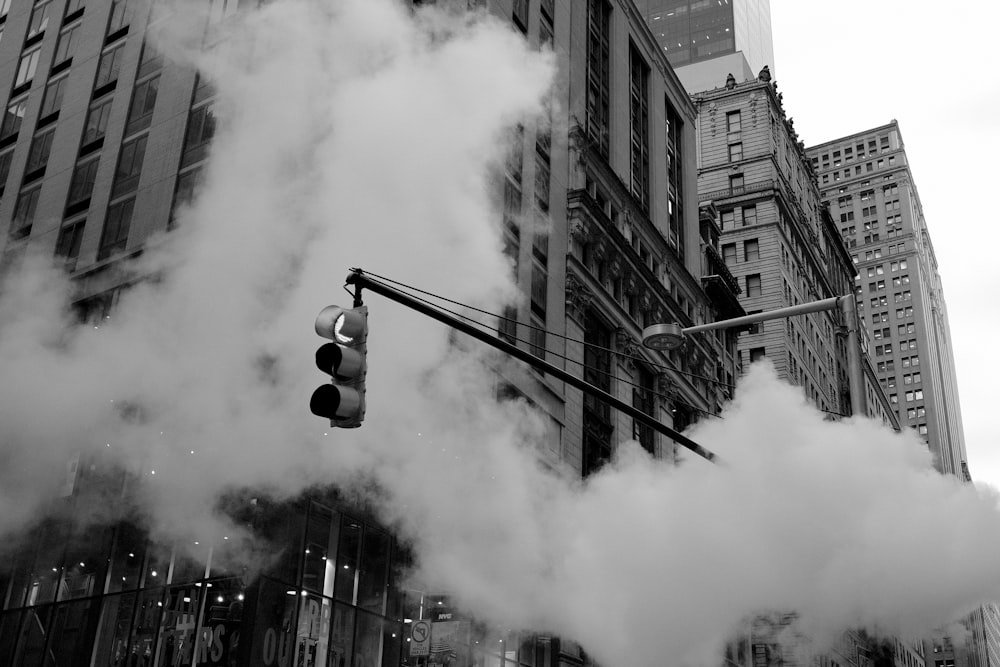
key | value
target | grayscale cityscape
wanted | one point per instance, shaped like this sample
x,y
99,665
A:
x,y
467,333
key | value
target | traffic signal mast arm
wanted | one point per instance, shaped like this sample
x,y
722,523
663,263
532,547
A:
x,y
361,281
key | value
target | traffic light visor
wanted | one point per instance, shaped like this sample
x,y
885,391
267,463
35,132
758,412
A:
x,y
340,324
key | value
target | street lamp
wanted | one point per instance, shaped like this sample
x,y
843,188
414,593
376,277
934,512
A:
x,y
670,336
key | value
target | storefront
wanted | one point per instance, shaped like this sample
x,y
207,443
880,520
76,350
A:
x,y
109,598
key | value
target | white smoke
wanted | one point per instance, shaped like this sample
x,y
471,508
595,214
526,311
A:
x,y
353,134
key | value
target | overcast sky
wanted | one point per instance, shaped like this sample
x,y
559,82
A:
x,y
851,65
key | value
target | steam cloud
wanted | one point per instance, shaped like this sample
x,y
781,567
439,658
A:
x,y
354,134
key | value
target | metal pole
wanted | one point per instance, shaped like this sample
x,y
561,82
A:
x,y
780,313
361,281
855,367
848,308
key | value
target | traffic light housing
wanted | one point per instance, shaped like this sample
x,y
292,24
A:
x,y
345,360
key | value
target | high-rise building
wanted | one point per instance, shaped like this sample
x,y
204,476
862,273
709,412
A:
x,y
991,629
706,41
865,179
102,139
778,240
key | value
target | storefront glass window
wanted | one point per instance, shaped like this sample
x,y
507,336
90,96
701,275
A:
x,y
72,632
342,636
112,636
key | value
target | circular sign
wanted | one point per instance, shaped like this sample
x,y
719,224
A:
x,y
421,631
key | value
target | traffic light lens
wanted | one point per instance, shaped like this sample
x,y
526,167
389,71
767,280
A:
x,y
338,330
328,358
325,401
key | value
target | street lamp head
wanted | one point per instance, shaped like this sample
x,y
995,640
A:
x,y
663,336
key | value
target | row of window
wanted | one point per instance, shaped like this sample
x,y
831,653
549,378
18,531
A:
x,y
890,366
849,152
879,285
868,167
512,198
894,266
880,350
751,251
741,216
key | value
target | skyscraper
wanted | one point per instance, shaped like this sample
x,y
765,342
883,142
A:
x,y
865,179
706,40
778,240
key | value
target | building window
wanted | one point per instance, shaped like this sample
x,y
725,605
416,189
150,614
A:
x,y
119,17
129,167
597,428
52,100
38,155
149,61
39,19
12,118
520,14
185,190
108,66
736,152
5,160
68,243
507,325
675,180
728,219
200,130
749,215
729,253
736,183
140,112
542,179
644,398
116,228
598,73
26,67
757,353
536,337
97,121
751,250
539,290
753,285
82,183
548,8
66,44
733,123
24,212
639,124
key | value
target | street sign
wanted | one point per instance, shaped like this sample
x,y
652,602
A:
x,y
420,638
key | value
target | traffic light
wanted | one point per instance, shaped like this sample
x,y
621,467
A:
x,y
343,400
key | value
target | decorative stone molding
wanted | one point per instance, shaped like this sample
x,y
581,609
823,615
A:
x,y
666,388
627,345
580,230
752,101
645,300
578,297
600,250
